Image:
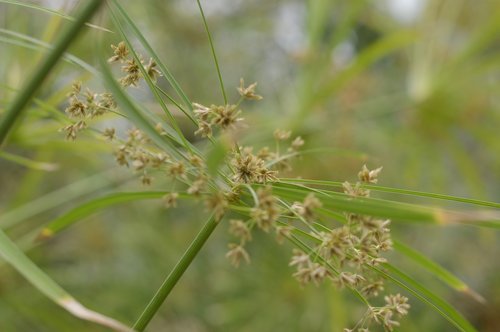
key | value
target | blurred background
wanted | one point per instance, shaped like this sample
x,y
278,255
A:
x,y
410,85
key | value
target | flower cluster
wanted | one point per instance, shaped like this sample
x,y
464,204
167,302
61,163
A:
x,y
83,106
224,117
347,255
396,306
131,67
263,215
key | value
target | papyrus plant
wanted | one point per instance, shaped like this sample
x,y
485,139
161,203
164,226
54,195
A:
x,y
335,236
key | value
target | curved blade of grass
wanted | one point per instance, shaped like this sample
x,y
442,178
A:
x,y
15,109
427,297
166,73
399,191
50,11
437,270
26,162
93,206
15,257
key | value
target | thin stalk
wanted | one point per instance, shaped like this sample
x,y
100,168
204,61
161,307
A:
x,y
212,48
174,276
14,111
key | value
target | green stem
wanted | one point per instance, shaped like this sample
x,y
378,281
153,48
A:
x,y
14,111
175,275
212,48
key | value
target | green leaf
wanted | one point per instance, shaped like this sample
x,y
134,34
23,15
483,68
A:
x,y
399,191
437,270
26,162
368,206
93,206
427,297
15,257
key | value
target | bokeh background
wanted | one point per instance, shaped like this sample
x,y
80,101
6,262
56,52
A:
x,y
410,85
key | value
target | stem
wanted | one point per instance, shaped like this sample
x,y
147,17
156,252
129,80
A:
x,y
14,111
175,275
212,48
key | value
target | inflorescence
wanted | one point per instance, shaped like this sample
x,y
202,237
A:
x,y
348,256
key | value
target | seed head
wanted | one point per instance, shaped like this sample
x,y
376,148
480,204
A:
x,y
120,52
248,92
236,254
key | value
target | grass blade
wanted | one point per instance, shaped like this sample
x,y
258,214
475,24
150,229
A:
x,y
437,270
400,191
427,297
93,206
15,257
368,206
26,162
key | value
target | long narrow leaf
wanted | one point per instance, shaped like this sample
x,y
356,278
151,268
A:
x,y
400,191
93,206
15,257
427,297
437,270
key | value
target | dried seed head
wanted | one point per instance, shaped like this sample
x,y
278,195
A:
x,y
197,186
131,68
367,176
306,209
297,143
76,108
109,133
201,112
120,52
240,229
217,203
73,129
170,200
282,233
248,92
236,254
177,169
146,179
152,71
204,129
282,135
225,116
266,212
398,303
